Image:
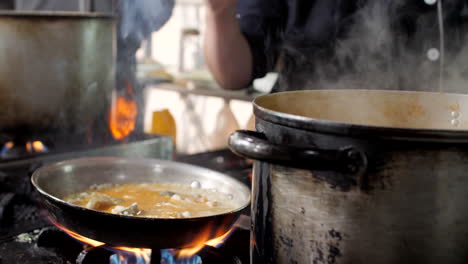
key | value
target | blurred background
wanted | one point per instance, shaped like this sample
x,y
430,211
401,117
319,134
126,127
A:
x,y
176,81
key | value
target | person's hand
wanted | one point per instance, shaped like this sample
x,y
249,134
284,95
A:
x,y
221,6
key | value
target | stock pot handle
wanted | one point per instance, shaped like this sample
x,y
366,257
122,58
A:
x,y
254,145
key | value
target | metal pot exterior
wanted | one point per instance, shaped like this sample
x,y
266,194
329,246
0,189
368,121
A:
x,y
407,204
408,208
56,70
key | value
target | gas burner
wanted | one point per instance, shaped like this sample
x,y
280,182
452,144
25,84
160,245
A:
x,y
21,149
51,245
232,247
12,148
20,213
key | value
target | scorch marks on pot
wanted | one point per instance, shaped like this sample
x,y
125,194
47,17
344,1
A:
x,y
335,234
327,252
304,230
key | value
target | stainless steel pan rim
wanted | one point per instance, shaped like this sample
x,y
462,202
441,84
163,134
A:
x,y
55,166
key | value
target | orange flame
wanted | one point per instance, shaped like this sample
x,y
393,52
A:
x,y
216,242
9,145
199,244
36,147
77,236
29,147
6,147
123,114
202,241
138,252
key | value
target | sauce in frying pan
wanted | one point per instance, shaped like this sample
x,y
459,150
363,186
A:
x,y
154,200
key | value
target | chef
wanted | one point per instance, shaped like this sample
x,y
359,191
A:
x,y
336,44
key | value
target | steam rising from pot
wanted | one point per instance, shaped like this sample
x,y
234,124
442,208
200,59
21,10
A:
x,y
390,44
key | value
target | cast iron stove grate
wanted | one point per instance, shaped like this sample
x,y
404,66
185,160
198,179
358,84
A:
x,y
51,245
19,210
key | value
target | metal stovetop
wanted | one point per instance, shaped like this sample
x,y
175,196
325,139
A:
x,y
28,237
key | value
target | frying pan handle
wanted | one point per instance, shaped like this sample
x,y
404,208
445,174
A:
x,y
254,145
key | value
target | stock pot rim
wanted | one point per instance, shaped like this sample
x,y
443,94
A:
x,y
55,14
356,130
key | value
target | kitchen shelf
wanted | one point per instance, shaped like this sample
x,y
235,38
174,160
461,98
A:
x,y
194,132
208,90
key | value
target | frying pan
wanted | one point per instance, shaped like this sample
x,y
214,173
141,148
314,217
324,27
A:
x,y
58,180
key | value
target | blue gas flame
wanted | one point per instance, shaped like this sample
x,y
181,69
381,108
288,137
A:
x,y
167,257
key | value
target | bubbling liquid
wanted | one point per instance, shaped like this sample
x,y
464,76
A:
x,y
155,200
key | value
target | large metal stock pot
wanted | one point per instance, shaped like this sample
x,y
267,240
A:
x,y
56,70
354,176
